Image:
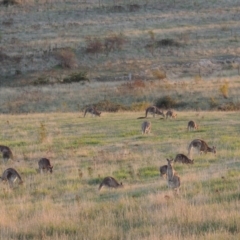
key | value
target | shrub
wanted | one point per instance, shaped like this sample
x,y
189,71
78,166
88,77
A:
x,y
165,102
141,106
108,106
168,42
224,90
67,58
76,77
93,45
10,2
159,74
229,107
114,42
41,81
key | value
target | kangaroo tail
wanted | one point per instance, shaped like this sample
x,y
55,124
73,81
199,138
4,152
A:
x,y
11,155
146,113
189,149
100,186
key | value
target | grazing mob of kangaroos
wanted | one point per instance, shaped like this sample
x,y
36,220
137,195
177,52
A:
x,y
11,176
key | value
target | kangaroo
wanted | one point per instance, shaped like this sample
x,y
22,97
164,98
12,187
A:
x,y
146,127
45,165
11,176
6,153
171,114
163,170
110,182
201,146
192,125
183,159
173,179
93,111
154,110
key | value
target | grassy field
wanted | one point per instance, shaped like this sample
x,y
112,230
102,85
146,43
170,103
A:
x,y
67,204
135,53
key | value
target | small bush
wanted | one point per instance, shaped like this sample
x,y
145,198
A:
x,y
141,106
224,90
10,2
133,7
168,42
108,106
166,102
93,45
229,107
159,74
114,42
76,77
41,81
67,58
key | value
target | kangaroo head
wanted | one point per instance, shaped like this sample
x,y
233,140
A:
x,y
50,168
170,161
214,150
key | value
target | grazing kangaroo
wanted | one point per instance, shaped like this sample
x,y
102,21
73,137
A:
x,y
6,153
171,114
154,110
201,146
146,127
93,111
183,159
192,125
45,165
163,170
172,179
110,182
11,176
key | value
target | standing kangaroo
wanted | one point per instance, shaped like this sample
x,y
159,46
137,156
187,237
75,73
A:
x,y
183,159
11,176
154,110
45,165
110,182
146,127
93,111
171,114
192,125
172,179
201,146
6,153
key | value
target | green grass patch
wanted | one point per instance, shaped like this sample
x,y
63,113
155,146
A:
x,y
148,172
